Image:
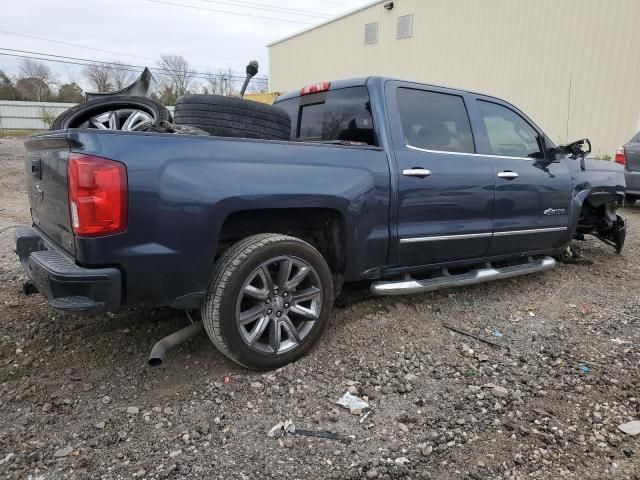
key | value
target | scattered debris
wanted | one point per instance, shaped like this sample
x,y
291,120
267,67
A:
x,y
631,428
480,339
365,416
133,410
63,452
500,392
355,404
318,433
497,334
619,341
281,428
584,369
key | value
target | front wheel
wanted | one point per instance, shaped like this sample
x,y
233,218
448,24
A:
x,y
269,301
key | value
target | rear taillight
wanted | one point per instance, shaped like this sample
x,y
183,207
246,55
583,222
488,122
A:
x,y
97,195
620,158
315,88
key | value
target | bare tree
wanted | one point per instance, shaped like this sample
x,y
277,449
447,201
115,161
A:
x,y
259,85
176,74
220,83
99,75
38,77
121,75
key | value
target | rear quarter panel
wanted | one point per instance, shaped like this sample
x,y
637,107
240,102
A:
x,y
182,188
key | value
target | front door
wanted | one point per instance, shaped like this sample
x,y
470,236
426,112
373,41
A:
x,y
445,190
532,195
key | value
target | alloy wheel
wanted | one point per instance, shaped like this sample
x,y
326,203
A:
x,y
279,304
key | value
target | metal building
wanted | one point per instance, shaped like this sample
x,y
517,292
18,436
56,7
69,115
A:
x,y
572,65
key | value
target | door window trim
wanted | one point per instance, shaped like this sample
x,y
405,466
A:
x,y
426,150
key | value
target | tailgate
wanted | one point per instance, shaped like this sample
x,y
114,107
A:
x,y
632,155
46,182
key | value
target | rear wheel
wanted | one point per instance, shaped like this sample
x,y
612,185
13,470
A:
x,y
269,301
630,200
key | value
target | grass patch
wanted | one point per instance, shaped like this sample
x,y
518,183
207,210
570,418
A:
x,y
18,133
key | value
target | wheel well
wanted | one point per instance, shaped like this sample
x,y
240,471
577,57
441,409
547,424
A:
x,y
598,212
321,227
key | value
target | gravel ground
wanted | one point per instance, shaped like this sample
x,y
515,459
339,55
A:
x,y
78,401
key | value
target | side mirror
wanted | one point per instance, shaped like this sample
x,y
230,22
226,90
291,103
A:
x,y
578,149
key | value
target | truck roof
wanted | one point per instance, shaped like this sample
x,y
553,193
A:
x,y
360,81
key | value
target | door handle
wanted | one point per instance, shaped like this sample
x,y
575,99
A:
x,y
508,175
416,172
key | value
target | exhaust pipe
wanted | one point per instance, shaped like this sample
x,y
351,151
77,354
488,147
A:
x,y
252,69
162,347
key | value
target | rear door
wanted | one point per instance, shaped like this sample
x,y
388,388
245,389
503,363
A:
x,y
532,194
46,183
445,190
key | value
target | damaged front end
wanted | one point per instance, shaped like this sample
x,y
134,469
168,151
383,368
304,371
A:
x,y
602,222
599,189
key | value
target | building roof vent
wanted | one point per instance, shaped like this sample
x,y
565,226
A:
x,y
405,26
371,33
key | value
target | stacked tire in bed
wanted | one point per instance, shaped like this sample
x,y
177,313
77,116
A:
x,y
213,114
232,117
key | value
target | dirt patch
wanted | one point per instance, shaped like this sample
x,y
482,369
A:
x,y
78,401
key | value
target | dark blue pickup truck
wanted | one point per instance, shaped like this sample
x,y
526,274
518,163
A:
x,y
411,186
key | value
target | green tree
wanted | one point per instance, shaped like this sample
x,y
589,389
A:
x,y
7,88
33,89
70,93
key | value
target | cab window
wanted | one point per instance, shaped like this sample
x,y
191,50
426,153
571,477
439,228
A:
x,y
434,121
343,114
508,133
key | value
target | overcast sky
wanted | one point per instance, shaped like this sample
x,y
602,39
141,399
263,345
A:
x,y
210,40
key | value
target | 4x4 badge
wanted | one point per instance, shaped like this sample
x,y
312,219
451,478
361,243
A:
x,y
555,211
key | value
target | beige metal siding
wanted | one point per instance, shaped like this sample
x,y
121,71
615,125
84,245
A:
x,y
572,65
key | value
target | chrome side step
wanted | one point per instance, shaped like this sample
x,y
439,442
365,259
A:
x,y
409,285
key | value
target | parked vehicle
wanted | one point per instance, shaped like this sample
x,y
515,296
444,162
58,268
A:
x,y
410,186
629,156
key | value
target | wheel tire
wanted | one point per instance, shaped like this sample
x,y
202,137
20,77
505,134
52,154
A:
x,y
630,200
232,270
233,117
80,114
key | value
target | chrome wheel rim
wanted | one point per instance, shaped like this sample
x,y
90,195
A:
x,y
127,120
279,304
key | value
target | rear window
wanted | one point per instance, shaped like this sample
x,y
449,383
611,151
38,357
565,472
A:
x,y
636,138
343,114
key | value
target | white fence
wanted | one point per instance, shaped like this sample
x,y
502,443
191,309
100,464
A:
x,y
29,115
